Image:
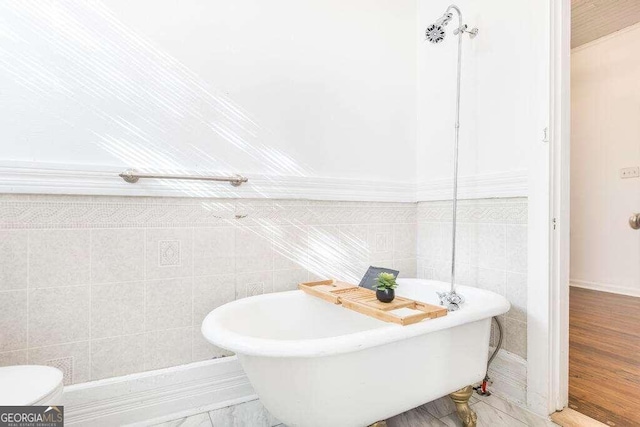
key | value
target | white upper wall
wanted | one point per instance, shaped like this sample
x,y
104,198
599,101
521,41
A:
x,y
320,88
605,137
503,90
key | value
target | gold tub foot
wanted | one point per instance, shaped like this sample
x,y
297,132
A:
x,y
379,424
465,413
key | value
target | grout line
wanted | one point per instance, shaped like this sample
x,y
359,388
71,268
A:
x,y
99,339
144,299
28,292
91,233
60,344
193,269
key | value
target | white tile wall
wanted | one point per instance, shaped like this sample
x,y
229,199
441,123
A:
x,y
168,303
117,309
214,251
203,349
13,320
74,359
59,315
167,348
13,259
116,356
168,253
117,255
108,286
13,358
491,253
59,258
211,291
287,280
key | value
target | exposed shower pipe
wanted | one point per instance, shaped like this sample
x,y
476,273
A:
x,y
435,33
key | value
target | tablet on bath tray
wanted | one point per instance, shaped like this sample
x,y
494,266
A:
x,y
369,279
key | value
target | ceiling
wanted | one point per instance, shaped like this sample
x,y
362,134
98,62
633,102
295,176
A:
x,y
592,19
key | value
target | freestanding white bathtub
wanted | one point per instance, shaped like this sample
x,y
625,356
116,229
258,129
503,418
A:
x,y
313,363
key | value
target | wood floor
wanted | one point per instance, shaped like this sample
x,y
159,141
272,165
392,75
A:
x,y
604,356
570,418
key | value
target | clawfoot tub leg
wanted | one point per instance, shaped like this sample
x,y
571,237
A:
x,y
379,424
461,399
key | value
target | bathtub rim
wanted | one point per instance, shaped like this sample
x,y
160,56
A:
x,y
494,305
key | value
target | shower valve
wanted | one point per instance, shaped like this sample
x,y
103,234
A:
x,y
472,32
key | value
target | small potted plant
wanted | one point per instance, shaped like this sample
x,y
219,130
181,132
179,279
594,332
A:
x,y
385,285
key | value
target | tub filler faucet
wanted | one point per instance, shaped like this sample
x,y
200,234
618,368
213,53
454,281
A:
x,y
451,300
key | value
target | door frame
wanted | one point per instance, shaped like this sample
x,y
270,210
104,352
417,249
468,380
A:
x,y
560,125
548,222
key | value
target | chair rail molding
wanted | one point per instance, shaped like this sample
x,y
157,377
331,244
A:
x,y
55,178
75,179
481,186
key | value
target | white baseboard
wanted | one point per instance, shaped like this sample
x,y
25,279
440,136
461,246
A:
x,y
485,186
508,374
155,396
604,287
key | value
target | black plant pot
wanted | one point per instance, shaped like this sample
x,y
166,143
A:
x,y
386,295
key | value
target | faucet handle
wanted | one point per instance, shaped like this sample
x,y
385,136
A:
x,y
634,221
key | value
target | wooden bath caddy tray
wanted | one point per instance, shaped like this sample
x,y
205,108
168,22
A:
x,y
364,301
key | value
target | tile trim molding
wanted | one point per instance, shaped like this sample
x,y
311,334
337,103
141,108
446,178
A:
x,y
158,395
40,211
481,186
53,178
502,211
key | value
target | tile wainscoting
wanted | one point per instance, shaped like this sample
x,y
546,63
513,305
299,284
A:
x,y
491,253
108,286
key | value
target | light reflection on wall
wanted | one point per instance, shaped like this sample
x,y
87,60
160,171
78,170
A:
x,y
136,102
150,112
325,253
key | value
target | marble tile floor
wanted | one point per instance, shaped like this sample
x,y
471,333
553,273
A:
x,y
492,411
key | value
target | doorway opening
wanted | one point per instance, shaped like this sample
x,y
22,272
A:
x,y
604,295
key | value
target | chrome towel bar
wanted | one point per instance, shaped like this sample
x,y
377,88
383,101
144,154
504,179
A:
x,y
132,176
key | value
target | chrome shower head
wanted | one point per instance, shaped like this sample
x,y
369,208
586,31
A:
x,y
435,32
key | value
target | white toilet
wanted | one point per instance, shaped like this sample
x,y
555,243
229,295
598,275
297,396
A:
x,y
30,385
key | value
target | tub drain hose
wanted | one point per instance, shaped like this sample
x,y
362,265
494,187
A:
x,y
499,345
482,389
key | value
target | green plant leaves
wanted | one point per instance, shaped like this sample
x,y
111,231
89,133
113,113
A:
x,y
386,281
